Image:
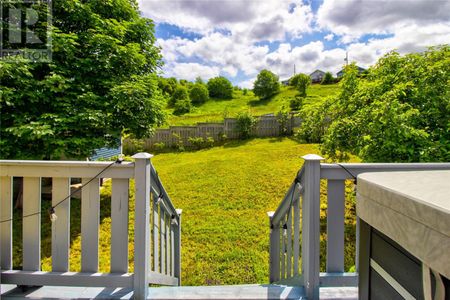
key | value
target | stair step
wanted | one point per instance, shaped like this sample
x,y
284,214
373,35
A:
x,y
251,291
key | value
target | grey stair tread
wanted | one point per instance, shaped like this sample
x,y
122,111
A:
x,y
256,291
185,292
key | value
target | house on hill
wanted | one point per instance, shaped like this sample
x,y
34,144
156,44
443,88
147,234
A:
x,y
341,72
317,76
285,82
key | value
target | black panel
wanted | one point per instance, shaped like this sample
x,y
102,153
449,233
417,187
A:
x,y
364,253
380,289
398,263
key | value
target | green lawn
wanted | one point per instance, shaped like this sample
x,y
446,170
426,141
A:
x,y
225,193
215,110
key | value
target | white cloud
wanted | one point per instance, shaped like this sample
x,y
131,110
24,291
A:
x,y
230,30
354,18
329,37
247,84
251,20
190,71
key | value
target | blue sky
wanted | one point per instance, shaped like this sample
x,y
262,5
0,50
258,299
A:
x,y
239,38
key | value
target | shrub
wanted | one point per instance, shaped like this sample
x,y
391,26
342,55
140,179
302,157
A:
x,y
296,103
266,84
220,87
180,93
283,120
198,94
182,106
398,113
244,92
198,143
245,124
301,83
328,78
179,145
159,146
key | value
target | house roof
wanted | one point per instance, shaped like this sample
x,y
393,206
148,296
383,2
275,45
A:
x,y
317,71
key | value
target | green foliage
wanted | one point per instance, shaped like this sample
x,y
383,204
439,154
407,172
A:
x,y
296,103
315,121
179,94
283,118
398,113
99,84
327,78
197,143
198,94
301,82
220,87
182,106
245,124
244,92
167,85
266,84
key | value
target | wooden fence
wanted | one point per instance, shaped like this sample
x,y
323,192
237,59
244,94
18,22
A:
x,y
266,126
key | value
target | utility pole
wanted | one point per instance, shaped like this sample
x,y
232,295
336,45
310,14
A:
x,y
294,69
346,58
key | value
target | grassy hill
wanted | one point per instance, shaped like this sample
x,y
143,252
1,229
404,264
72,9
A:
x,y
216,109
225,193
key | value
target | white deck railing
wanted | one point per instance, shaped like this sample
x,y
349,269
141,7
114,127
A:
x,y
303,199
157,258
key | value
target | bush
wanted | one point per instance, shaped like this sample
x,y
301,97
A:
x,y
266,84
220,87
244,92
245,124
180,93
182,107
398,113
198,94
301,83
283,119
296,103
198,143
328,78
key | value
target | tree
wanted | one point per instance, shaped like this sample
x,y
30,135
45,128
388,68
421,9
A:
x,y
100,83
198,93
398,113
182,106
180,94
327,78
220,87
266,84
301,82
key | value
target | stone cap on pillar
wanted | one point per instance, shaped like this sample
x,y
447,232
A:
x,y
142,155
312,157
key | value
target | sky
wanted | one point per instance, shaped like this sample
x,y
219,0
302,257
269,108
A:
x,y
239,38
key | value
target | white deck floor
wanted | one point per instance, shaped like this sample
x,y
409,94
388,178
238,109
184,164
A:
x,y
186,292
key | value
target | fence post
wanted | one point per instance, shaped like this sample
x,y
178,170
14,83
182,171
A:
x,y
177,254
274,250
141,225
311,226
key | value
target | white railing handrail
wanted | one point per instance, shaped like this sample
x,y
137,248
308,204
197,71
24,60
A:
x,y
159,189
165,236
286,203
285,230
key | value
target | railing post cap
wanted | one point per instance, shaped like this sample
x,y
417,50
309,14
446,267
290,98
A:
x,y
179,211
142,155
312,157
270,214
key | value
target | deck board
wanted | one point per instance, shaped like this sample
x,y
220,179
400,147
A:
x,y
251,291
